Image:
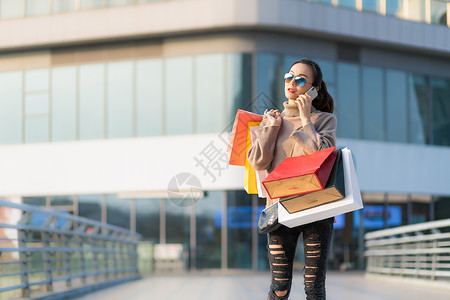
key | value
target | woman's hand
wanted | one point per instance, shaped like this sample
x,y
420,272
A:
x,y
304,107
274,117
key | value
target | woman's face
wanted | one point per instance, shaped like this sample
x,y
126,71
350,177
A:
x,y
291,89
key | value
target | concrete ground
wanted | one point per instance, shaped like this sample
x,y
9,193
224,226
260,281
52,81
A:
x,y
253,286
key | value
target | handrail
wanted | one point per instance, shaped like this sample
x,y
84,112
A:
x,y
63,248
420,251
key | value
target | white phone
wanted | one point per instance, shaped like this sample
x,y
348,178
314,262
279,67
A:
x,y
312,92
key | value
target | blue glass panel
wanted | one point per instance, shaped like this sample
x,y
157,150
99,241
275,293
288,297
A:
x,y
373,104
348,103
11,9
37,80
396,106
37,7
36,129
419,109
441,111
269,83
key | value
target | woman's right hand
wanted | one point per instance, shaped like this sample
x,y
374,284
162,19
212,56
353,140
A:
x,y
273,116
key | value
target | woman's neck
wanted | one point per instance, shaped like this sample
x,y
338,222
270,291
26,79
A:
x,y
291,101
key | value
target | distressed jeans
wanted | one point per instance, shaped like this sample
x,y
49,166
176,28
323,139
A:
x,y
281,247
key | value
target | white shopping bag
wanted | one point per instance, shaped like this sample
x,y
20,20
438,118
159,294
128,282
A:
x,y
352,200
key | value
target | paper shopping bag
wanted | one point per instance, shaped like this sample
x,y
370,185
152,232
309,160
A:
x,y
237,145
260,175
352,200
301,174
250,184
334,190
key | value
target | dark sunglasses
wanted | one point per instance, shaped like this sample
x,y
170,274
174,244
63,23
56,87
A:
x,y
299,81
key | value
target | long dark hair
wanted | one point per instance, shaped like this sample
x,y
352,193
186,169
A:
x,y
324,101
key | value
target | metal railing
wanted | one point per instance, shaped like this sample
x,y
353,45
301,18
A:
x,y
420,251
46,247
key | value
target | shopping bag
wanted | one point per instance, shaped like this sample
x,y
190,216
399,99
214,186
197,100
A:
x,y
250,184
260,175
334,190
301,174
237,145
352,200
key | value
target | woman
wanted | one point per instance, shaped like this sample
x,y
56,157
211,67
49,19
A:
x,y
305,126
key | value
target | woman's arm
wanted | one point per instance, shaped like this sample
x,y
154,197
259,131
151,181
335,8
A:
x,y
260,154
317,134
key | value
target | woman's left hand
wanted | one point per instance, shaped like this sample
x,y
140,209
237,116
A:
x,y
304,107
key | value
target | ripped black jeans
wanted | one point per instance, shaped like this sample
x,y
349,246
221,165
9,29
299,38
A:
x,y
281,247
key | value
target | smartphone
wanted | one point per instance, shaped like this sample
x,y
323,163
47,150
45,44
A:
x,y
312,92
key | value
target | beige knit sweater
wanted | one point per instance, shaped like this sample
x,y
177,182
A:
x,y
274,143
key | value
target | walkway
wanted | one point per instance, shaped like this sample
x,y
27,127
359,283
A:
x,y
253,286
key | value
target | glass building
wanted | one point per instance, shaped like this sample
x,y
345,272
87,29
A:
x,y
118,110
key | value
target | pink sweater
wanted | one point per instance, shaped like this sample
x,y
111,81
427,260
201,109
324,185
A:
x,y
274,143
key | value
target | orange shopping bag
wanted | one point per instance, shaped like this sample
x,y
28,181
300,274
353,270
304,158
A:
x,y
250,184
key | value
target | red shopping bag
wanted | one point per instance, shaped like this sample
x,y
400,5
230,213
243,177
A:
x,y
301,174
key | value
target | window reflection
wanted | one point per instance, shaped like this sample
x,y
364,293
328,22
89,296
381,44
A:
x,y
348,101
62,6
91,101
120,99
11,108
91,4
147,218
210,93
209,225
373,104
239,222
64,92
269,82
396,104
149,97
119,2
441,111
37,7
90,206
11,9
419,99
179,93
118,211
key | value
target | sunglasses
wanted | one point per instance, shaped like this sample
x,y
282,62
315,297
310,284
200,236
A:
x,y
299,81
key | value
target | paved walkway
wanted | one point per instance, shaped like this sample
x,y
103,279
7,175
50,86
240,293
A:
x,y
253,286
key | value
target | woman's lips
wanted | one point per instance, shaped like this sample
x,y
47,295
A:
x,y
291,90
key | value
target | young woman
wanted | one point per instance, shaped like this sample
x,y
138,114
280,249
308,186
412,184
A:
x,y
305,125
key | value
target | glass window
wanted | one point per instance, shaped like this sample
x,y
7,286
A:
x,y
37,7
90,206
62,6
347,108
11,9
147,218
373,104
419,109
119,2
239,222
11,108
149,97
91,4
416,10
269,83
347,3
397,107
441,111
179,93
177,222
118,211
37,80
91,93
239,85
371,5
120,99
438,10
36,103
64,108
210,93
36,129
394,8
39,201
327,68
61,200
208,224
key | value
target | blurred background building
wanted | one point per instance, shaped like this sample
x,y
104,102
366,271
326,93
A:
x,y
107,104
